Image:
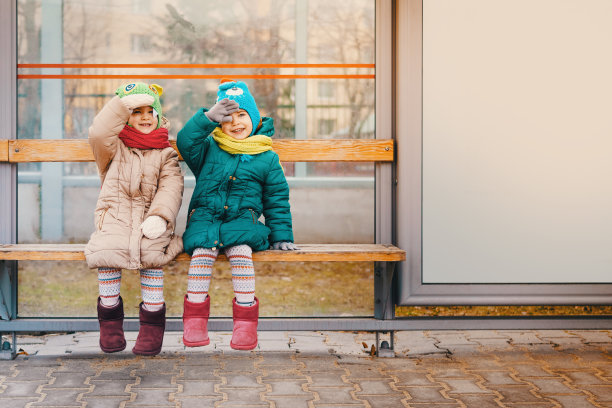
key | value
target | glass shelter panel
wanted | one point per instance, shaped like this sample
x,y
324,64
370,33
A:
x,y
516,136
309,64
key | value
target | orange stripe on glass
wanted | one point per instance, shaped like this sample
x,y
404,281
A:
x,y
186,66
162,76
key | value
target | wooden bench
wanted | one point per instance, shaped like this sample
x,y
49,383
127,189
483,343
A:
x,y
78,150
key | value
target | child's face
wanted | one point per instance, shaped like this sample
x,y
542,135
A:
x,y
142,119
240,127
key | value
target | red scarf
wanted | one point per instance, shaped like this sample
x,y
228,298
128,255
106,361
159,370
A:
x,y
157,139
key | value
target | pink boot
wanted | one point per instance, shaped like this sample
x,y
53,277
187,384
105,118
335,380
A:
x,y
195,320
112,338
244,336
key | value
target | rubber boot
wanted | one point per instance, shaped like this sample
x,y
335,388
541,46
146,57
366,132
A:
x,y
195,321
112,338
244,336
151,333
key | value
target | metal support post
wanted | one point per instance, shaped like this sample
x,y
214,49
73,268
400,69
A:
x,y
384,305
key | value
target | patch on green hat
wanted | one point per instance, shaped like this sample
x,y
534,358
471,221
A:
x,y
141,88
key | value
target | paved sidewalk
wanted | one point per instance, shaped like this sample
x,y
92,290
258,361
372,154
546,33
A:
x,y
554,368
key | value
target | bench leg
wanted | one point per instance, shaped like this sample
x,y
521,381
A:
x,y
385,348
8,305
384,302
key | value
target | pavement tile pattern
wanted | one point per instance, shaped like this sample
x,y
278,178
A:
x,y
502,368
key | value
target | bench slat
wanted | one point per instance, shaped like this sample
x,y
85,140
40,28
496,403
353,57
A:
x,y
307,253
289,150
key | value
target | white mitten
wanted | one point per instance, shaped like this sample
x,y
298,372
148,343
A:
x,y
285,246
137,100
153,226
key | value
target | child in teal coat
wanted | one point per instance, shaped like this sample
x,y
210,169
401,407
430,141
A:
x,y
238,178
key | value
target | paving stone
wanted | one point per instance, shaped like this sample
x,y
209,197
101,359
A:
x,y
157,381
498,377
464,386
552,386
15,402
602,393
68,380
426,395
593,336
61,397
198,388
240,364
123,373
412,378
328,379
282,372
151,398
242,381
530,370
479,361
318,363
239,395
375,387
290,402
33,374
584,377
287,387
573,401
198,402
108,388
199,373
514,394
388,400
21,389
335,395
451,372
522,337
479,401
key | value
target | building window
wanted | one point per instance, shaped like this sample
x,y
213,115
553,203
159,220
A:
x,y
326,89
326,126
141,6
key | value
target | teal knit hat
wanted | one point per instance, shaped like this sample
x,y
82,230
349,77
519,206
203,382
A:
x,y
239,91
141,88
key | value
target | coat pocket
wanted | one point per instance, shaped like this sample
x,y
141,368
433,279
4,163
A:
x,y
100,218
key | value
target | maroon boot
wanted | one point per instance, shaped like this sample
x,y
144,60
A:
x,y
151,333
112,338
244,336
195,320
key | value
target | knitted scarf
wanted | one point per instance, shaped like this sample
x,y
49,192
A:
x,y
157,139
250,146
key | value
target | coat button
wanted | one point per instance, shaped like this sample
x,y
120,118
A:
x,y
216,242
220,245
213,248
226,207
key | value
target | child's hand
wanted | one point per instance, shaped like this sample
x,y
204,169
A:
x,y
153,226
222,111
285,246
137,100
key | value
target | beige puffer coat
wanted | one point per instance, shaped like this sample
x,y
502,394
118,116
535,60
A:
x,y
135,184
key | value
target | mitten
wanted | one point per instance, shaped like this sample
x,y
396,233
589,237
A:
x,y
285,246
222,111
153,226
137,100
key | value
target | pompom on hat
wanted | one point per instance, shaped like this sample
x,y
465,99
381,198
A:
x,y
154,90
239,91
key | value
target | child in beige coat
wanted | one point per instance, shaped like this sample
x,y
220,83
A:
x,y
142,189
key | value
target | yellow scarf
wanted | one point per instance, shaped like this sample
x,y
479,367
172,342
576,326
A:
x,y
251,145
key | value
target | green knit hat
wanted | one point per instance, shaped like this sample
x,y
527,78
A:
x,y
141,88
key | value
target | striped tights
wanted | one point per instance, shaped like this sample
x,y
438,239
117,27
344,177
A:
x,y
151,287
243,273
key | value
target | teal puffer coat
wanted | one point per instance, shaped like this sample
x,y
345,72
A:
x,y
231,194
